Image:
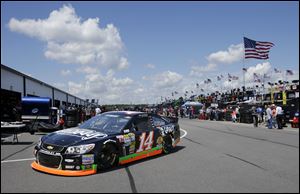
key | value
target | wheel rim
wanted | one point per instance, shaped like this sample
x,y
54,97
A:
x,y
107,158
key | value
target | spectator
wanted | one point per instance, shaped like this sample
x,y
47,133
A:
x,y
181,112
273,112
269,117
98,111
192,112
279,117
237,110
88,113
259,112
61,123
233,116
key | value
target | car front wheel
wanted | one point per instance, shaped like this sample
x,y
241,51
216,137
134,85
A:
x,y
108,157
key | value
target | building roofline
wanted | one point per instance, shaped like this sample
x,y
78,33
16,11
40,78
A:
x,y
36,80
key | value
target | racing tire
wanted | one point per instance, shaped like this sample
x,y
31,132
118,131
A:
x,y
167,144
108,157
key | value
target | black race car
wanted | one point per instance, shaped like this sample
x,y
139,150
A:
x,y
104,141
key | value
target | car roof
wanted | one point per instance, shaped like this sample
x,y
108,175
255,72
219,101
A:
x,y
131,113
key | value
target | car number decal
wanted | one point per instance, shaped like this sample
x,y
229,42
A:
x,y
146,143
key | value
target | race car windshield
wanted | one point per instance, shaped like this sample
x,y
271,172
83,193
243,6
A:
x,y
106,123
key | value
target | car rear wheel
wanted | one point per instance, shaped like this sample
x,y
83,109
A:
x,y
167,144
108,157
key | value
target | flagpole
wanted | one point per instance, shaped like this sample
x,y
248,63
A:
x,y
244,62
243,41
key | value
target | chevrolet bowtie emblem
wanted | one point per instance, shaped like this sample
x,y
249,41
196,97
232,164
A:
x,y
49,147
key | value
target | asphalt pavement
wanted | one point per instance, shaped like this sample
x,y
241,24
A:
x,y
213,156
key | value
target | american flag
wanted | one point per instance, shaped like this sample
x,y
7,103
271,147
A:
x,y
257,80
255,76
266,76
257,49
277,70
235,77
289,72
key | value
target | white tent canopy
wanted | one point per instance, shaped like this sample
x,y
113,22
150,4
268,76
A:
x,y
192,103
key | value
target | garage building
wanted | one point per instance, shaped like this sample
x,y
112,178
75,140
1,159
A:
x,y
15,85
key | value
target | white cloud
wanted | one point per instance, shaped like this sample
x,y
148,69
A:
x,y
233,54
199,70
150,66
87,70
65,72
74,88
260,69
166,79
71,40
61,86
107,88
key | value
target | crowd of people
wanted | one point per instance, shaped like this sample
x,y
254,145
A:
x,y
271,115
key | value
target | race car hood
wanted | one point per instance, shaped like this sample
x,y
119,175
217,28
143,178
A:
x,y
73,136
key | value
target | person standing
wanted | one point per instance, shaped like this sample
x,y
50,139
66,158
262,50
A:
x,y
269,117
233,115
98,111
192,112
279,117
88,112
273,112
237,111
181,112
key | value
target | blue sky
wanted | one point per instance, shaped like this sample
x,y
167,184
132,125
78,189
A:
x,y
136,52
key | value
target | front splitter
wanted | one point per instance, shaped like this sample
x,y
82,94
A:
x,y
41,168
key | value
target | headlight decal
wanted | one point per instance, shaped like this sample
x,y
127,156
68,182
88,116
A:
x,y
81,149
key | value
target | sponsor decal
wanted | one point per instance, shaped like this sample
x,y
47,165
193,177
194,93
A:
x,y
86,167
167,129
69,160
159,141
132,148
69,167
83,133
127,139
88,159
